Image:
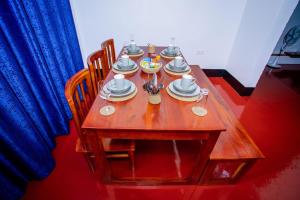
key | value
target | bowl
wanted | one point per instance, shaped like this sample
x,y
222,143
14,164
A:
x,y
145,66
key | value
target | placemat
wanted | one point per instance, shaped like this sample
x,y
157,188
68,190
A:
x,y
168,57
176,73
124,72
118,99
180,98
136,55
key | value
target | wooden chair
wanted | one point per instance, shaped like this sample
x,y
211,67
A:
x,y
98,68
109,48
80,95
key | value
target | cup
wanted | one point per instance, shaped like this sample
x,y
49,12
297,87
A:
x,y
124,60
119,80
186,81
132,46
171,49
178,61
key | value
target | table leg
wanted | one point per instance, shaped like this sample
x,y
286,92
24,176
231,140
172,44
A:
x,y
203,156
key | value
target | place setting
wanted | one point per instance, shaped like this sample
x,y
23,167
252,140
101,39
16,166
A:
x,y
116,90
177,67
170,52
186,89
124,65
133,50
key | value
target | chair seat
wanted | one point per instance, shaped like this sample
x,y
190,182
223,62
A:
x,y
111,145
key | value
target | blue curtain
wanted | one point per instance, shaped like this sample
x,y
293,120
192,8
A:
x,y
39,52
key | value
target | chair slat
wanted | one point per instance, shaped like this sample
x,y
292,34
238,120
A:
x,y
109,48
98,67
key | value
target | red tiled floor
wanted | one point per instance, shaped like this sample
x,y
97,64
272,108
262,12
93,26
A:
x,y
271,116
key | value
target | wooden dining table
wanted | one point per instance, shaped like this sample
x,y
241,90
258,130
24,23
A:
x,y
139,120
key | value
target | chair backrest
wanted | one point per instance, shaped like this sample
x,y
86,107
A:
x,y
109,48
98,68
80,95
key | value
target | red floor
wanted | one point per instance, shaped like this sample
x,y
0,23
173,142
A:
x,y
272,117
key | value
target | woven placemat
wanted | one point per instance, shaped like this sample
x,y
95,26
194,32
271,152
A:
x,y
118,99
167,57
136,55
176,73
180,98
125,72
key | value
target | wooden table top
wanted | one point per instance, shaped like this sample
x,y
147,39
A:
x,y
170,115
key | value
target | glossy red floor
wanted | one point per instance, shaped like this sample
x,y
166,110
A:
x,y
272,117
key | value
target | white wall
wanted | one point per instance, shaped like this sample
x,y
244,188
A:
x,y
237,35
205,27
261,26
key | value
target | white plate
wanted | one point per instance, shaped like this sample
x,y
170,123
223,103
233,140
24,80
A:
x,y
124,69
111,86
189,90
173,69
193,94
166,53
130,91
130,52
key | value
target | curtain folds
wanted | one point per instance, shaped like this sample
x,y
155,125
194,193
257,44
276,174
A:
x,y
39,52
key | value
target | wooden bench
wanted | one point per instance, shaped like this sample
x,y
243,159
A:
x,y
235,152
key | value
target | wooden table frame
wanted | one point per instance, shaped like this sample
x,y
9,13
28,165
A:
x,y
206,129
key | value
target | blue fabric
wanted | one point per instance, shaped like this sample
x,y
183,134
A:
x,y
39,52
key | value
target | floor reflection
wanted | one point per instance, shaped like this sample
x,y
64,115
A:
x,y
155,160
271,116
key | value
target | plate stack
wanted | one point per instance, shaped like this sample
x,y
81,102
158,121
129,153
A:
x,y
125,68
127,91
134,51
166,53
181,69
190,93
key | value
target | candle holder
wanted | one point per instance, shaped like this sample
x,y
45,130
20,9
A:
x,y
151,48
154,98
152,87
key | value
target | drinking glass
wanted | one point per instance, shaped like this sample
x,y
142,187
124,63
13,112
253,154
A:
x,y
131,37
125,46
105,94
200,107
172,41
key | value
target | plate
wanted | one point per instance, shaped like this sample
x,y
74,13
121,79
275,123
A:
x,y
166,53
111,86
174,91
170,72
125,68
130,63
178,70
130,91
131,51
177,86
